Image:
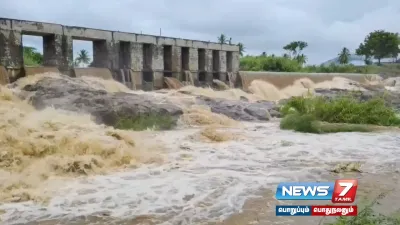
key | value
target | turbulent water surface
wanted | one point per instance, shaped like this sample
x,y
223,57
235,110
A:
x,y
206,182
182,176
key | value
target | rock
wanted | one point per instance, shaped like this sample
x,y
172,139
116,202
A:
x,y
238,109
392,81
69,94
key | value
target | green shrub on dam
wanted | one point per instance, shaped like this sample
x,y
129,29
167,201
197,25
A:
x,y
343,114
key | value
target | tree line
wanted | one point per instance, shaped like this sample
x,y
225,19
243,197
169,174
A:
x,y
377,45
34,58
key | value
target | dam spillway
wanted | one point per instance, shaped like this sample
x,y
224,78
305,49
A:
x,y
146,57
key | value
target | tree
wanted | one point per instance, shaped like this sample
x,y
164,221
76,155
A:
x,y
264,54
241,48
230,41
344,56
222,39
295,47
363,51
83,58
379,44
302,59
31,56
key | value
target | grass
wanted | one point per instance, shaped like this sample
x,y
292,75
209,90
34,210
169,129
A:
x,y
145,121
343,114
368,217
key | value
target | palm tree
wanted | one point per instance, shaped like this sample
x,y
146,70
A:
x,y
83,57
230,41
241,48
301,58
222,39
344,56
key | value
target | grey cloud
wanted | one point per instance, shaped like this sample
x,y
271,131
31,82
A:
x,y
261,25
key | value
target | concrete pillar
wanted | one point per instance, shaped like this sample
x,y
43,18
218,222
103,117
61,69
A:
x,y
67,60
209,66
176,62
157,65
235,67
52,50
57,52
235,61
194,63
105,54
11,50
222,66
137,64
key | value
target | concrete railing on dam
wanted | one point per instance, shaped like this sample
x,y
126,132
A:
x,y
146,56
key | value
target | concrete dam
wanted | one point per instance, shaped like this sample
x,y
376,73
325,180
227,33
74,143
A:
x,y
139,61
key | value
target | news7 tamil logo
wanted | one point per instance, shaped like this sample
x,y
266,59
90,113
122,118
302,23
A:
x,y
340,191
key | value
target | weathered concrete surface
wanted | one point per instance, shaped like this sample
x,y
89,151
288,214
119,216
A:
x,y
73,95
283,79
176,62
136,78
108,48
30,71
4,79
103,73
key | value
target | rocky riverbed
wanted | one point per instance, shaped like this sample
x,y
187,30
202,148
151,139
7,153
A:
x,y
73,95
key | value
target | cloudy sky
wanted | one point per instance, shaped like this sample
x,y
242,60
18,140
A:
x,y
327,25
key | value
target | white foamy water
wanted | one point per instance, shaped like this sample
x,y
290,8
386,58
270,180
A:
x,y
202,182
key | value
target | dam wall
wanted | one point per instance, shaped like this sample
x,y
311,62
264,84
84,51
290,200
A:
x,y
285,79
139,61
147,57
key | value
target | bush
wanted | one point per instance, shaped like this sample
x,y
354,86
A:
x,y
307,123
345,109
145,121
269,63
284,64
343,114
333,68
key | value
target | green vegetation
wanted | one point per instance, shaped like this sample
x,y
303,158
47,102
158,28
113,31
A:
x,y
378,44
294,48
32,57
344,56
82,58
223,39
145,121
269,63
367,217
308,124
342,114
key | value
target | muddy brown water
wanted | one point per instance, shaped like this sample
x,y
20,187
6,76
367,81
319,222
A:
x,y
223,184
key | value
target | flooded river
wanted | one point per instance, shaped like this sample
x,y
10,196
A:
x,y
231,182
